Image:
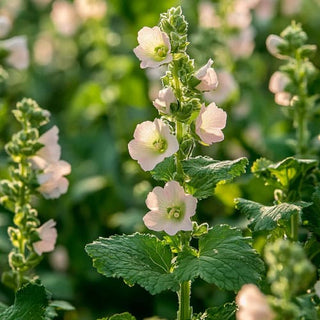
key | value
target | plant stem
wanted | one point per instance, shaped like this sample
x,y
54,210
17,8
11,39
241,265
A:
x,y
185,310
302,131
294,224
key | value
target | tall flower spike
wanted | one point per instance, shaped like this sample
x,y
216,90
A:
x,y
210,122
152,143
48,235
154,47
171,209
164,100
207,76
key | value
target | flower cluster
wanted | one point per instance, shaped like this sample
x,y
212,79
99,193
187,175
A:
x,y
184,118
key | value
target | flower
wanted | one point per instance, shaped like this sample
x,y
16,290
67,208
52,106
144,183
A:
x,y
48,235
272,43
154,47
207,76
52,181
5,25
152,143
95,9
209,123
277,85
171,209
51,178
18,54
253,304
164,100
242,45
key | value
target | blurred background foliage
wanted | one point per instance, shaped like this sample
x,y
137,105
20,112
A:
x,y
82,69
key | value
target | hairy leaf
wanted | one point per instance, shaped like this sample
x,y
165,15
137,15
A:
x,y
137,258
165,170
224,258
266,217
30,303
205,173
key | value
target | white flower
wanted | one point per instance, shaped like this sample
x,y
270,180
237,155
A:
x,y
18,53
207,76
171,209
5,26
164,100
95,9
277,85
154,47
52,181
152,143
48,235
210,122
47,159
253,304
242,44
64,17
272,43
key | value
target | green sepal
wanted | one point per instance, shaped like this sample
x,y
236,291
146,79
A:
x,y
224,258
203,174
139,259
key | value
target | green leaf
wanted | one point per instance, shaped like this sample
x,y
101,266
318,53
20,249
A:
x,y
137,258
266,217
224,258
120,316
311,216
225,312
205,173
165,170
61,305
286,173
30,303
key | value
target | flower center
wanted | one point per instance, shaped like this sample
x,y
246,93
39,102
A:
x,y
174,213
160,145
160,52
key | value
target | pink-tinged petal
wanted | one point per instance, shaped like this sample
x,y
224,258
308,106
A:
x,y
152,143
155,198
38,162
18,52
272,43
191,205
207,76
283,98
278,82
48,235
51,150
154,221
209,123
164,100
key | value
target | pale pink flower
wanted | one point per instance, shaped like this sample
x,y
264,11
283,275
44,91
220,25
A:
x,y
43,49
253,304
208,17
152,143
226,88
164,100
207,76
171,209
64,17
154,47
210,122
18,53
240,16
5,25
265,10
242,45
277,85
291,7
48,235
95,9
272,43
52,181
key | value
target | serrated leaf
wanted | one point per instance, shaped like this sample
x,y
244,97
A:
x,y
284,173
266,217
61,305
122,316
225,258
225,312
165,170
205,173
30,303
137,258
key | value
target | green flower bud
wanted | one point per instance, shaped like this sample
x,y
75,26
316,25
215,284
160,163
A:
x,y
16,260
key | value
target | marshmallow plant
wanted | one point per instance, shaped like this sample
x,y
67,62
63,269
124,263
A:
x,y
178,250
35,170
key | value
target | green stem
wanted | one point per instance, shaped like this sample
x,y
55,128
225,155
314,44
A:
x,y
185,310
302,131
294,223
179,134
